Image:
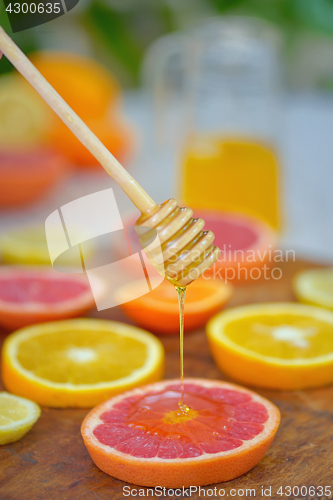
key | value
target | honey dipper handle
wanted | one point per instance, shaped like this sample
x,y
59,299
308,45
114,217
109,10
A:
x,y
129,185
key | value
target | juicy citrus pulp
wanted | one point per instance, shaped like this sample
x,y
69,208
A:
x,y
17,416
26,289
246,242
315,286
141,437
79,362
31,295
281,346
158,310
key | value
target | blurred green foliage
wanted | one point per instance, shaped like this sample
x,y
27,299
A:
x,y
26,39
124,28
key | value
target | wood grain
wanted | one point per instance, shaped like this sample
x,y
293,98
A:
x,y
51,462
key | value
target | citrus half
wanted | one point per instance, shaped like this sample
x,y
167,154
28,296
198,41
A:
x,y
87,86
28,245
315,286
246,244
282,346
27,174
17,416
158,310
79,363
141,436
115,134
31,295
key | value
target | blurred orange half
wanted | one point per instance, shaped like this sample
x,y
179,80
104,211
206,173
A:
x,y
117,136
86,85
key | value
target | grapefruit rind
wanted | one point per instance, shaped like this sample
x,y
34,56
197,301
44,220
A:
x,y
15,315
174,473
252,368
25,383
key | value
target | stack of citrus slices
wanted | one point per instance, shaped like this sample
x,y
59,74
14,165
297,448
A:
x,y
94,94
29,167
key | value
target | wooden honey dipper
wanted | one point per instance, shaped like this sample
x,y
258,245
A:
x,y
187,250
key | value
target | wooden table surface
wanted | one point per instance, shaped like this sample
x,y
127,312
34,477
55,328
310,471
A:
x,y
51,462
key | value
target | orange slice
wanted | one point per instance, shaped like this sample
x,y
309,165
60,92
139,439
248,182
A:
x,y
141,436
282,346
79,362
33,295
158,310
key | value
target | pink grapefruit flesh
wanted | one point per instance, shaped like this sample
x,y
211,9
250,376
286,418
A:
x,y
34,295
141,437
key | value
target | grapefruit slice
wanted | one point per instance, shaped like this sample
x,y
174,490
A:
x,y
87,86
158,310
34,295
247,244
27,175
142,438
115,133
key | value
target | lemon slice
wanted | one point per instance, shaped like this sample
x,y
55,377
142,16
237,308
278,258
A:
x,y
23,115
28,245
279,346
79,363
315,286
17,416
